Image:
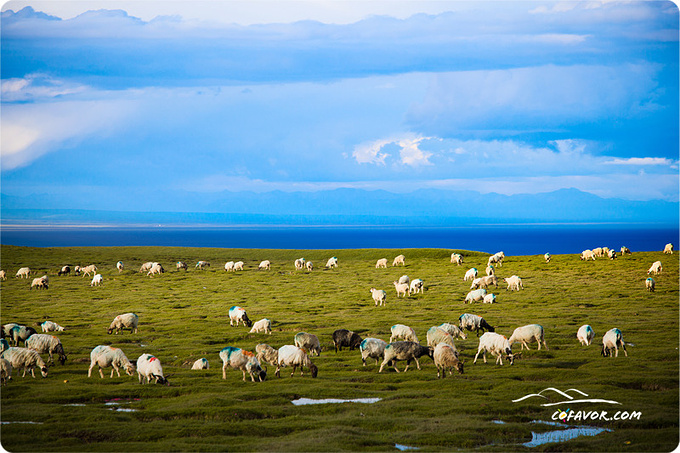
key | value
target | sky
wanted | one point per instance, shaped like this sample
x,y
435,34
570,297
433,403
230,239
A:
x,y
200,97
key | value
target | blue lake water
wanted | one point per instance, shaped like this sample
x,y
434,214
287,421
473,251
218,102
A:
x,y
512,239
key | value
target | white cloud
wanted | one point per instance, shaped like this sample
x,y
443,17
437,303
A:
x,y
370,152
37,86
641,161
411,154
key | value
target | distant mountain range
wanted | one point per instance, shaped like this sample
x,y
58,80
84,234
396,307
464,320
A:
x,y
339,207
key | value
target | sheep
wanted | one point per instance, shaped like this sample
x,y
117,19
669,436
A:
x,y
613,339
309,266
528,334
7,329
457,258
404,279
5,371
656,268
148,367
25,358
97,280
124,321
105,356
24,272
489,298
401,331
40,282
399,259
156,268
65,270
490,270
265,265
20,333
587,255
47,344
266,353
87,270
238,266
514,283
381,263
238,314
404,350
453,330
475,296
294,356
585,335
546,257
77,269
201,364
379,296
344,337
332,262
611,254
417,286
484,282
402,288
243,360
496,259
3,275
650,284
4,345
181,265
299,264
474,323
668,249
202,265
146,267
471,274
229,266
309,342
436,335
120,266
49,326
372,348
598,252
446,357
264,325
495,344
625,250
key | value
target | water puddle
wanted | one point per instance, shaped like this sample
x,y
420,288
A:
x,y
401,447
309,401
29,423
74,405
122,409
563,435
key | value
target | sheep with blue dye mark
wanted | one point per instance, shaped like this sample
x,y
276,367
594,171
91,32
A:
x,y
497,345
299,264
308,342
344,337
20,333
243,360
332,262
120,266
475,323
123,322
379,296
201,364
546,257
202,265
585,335
489,298
107,356
453,330
417,286
404,350
149,367
181,265
47,344
650,284
7,329
238,314
264,325
266,353
475,296
471,274
457,258
528,334
625,250
436,335
490,270
612,341
372,348
25,358
4,345
446,358
403,332
294,356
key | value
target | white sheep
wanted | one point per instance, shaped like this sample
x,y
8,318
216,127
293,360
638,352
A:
x,y
514,283
484,282
489,298
404,279
238,314
97,280
454,330
266,353
243,360
372,348
265,265
528,334
299,264
181,265
625,250
475,296
471,274
490,270
656,268
49,326
436,335
3,275
146,267
585,335
332,262
497,345
417,286
613,340
401,331
201,364
446,358
264,325
5,371
399,259
475,323
496,259
149,367
457,258
379,296
668,248
156,269
87,270
290,355
124,321
25,358
202,264
47,344
381,263
106,356
229,266
40,282
308,342
238,266
598,252
650,284
120,266
309,266
24,272
546,257
587,255
402,288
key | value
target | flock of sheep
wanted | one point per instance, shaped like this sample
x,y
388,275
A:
x,y
403,344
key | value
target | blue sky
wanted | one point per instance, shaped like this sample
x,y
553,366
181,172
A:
x,y
201,97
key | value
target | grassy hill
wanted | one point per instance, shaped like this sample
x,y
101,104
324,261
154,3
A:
x,y
183,316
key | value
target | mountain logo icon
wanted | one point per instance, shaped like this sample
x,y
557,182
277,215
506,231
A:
x,y
567,398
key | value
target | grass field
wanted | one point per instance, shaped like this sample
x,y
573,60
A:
x,y
183,316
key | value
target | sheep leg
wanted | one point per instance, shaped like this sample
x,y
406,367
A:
x,y
244,376
278,369
417,362
101,373
89,372
624,348
224,371
291,374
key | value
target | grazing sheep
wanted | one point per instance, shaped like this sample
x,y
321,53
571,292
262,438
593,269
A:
x,y
87,270
475,296
489,298
238,266
242,360
496,345
399,259
585,335
417,286
598,252
4,345
404,279
436,335
265,265
625,250
238,314
156,269
474,323
5,371
668,248
148,367
266,353
514,283
490,270
382,262
40,282
332,262
453,330
496,259
611,254
229,266
25,358
97,280
613,340
528,334
264,325
65,270
372,348
309,266
24,272
20,333
344,337
446,358
379,296
546,257
308,341
49,326
7,329
294,356
656,268
484,282
124,321
404,350
457,258
201,364
202,265
401,331
3,275
77,269
181,265
650,284
299,264
587,255
471,274
402,288
146,267
120,266
47,344
107,356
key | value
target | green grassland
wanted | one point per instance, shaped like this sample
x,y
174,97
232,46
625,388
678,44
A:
x,y
183,316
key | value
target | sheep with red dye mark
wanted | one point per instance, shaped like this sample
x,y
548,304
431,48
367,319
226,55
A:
x,y
528,334
497,345
344,337
238,314
404,350
308,341
124,321
453,330
403,332
612,341
148,367
25,358
372,348
446,358
47,344
243,360
294,356
107,356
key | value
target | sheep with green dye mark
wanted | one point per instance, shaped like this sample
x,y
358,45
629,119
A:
x,y
475,296
585,335
238,314
417,286
612,341
201,364
20,333
457,258
243,360
332,262
650,284
471,274
372,348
